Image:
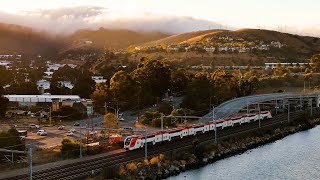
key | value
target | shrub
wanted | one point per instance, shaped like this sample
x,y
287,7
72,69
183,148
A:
x,y
165,108
70,148
154,161
131,166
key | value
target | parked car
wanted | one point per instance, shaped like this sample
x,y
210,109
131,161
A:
x,y
61,127
34,126
76,124
69,133
73,130
42,132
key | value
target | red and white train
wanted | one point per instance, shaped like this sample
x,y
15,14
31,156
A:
x,y
138,141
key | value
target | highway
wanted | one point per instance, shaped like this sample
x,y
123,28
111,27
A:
x,y
233,106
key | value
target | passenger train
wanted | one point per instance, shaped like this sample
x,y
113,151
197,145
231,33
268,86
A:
x,y
138,141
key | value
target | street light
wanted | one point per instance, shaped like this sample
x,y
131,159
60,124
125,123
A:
x,y
116,110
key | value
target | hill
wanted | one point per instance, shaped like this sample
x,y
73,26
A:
x,y
24,40
112,38
180,38
295,45
299,44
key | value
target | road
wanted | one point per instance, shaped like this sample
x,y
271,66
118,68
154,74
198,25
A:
x,y
233,106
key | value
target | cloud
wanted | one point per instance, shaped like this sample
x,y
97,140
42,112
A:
x,y
70,19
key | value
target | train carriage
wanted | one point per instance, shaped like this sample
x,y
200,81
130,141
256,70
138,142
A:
x,y
238,120
250,118
136,142
265,115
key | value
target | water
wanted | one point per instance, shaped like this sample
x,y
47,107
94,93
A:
x,y
294,157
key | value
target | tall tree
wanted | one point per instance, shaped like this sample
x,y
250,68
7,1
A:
x,y
153,77
198,93
122,88
179,80
84,85
99,96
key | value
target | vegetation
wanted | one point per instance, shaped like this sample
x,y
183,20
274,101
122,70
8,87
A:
x,y
68,113
111,121
3,104
11,140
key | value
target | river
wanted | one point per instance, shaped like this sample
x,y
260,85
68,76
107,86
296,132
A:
x,y
296,156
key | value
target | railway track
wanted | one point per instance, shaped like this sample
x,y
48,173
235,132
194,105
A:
x,y
82,169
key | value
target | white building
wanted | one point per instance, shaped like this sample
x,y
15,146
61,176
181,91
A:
x,y
276,44
43,84
171,48
98,79
42,98
209,48
67,84
6,64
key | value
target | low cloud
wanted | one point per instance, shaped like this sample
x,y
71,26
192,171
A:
x,y
69,19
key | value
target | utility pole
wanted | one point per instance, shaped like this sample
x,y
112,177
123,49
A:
x,y
215,126
80,142
247,107
311,108
162,126
259,115
145,145
288,111
276,106
30,163
50,115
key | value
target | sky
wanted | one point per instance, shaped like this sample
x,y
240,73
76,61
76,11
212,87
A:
x,y
296,16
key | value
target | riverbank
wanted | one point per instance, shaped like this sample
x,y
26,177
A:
x,y
201,154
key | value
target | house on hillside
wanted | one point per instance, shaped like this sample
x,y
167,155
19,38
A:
x,y
172,48
276,44
209,48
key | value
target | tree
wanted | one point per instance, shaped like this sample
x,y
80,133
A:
x,y
3,103
165,108
122,88
198,91
6,76
11,138
225,85
179,80
315,62
100,95
68,113
84,86
279,70
66,73
23,88
111,121
153,78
